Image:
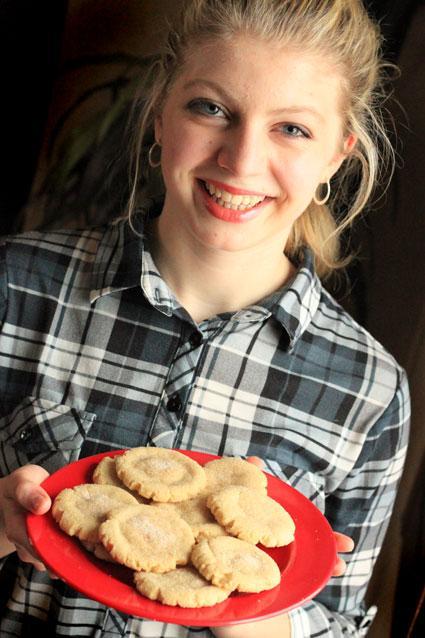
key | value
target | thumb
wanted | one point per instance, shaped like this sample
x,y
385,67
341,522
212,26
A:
x,y
25,488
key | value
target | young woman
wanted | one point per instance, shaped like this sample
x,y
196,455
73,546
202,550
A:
x,y
203,323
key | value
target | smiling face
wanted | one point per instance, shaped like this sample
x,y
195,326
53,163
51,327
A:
x,y
248,131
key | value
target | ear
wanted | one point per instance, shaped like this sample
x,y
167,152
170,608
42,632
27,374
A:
x,y
158,128
349,143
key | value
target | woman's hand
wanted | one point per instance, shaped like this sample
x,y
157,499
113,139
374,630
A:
x,y
20,493
344,544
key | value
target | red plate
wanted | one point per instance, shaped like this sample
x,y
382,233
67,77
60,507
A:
x,y
306,564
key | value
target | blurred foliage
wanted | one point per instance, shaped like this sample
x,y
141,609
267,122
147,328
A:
x,y
86,181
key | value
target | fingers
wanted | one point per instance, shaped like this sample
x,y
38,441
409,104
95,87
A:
x,y
343,543
26,557
340,567
255,460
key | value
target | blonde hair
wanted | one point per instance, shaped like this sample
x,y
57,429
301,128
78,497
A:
x,y
340,31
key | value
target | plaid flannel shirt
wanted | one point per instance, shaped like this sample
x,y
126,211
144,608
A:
x,y
97,354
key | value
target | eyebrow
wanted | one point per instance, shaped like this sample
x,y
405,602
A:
x,y
290,110
209,84
295,110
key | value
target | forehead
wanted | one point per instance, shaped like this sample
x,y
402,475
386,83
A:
x,y
266,72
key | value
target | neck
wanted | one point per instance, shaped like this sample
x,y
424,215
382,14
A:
x,y
209,282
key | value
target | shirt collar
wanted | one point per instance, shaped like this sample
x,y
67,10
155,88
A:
x,y
117,262
293,305
122,261
296,304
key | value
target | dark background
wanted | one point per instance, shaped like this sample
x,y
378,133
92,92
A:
x,y
30,37
30,40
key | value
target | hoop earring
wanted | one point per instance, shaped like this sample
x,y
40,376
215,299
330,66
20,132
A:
x,y
319,202
154,163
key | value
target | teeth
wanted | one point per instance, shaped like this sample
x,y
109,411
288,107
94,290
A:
x,y
234,202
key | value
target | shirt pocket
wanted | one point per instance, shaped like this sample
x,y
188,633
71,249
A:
x,y
42,432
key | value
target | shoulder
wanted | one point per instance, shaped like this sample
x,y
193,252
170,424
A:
x,y
54,246
51,264
53,253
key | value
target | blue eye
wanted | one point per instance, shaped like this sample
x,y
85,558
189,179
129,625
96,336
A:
x,y
206,107
292,130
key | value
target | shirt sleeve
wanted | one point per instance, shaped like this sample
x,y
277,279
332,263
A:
x,y
361,508
3,282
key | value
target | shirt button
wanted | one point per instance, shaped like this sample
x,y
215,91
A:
x,y
195,339
174,403
24,435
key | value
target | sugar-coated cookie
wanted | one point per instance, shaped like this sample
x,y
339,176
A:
x,y
79,510
160,474
183,586
234,471
231,563
197,515
252,516
105,473
147,538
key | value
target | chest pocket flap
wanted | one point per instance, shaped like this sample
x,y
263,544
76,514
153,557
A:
x,y
42,432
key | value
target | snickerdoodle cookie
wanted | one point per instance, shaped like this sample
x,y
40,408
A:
x,y
160,474
231,563
234,471
105,473
79,510
147,538
196,513
183,586
252,516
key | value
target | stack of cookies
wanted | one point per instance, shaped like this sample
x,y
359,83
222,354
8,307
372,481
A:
x,y
188,531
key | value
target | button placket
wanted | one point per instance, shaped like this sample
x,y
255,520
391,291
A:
x,y
174,403
178,387
195,339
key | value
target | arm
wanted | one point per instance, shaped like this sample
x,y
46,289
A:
x,y
276,627
360,507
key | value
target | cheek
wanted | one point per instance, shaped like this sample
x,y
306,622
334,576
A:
x,y
173,149
300,176
174,161
185,148
298,180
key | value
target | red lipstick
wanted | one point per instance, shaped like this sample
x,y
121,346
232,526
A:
x,y
229,214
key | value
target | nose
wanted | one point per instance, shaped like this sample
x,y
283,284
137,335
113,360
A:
x,y
243,151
